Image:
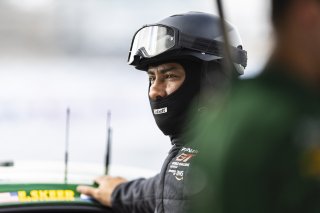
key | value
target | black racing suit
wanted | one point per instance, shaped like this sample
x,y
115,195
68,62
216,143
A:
x,y
165,192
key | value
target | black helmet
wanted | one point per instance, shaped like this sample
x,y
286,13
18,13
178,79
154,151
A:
x,y
193,35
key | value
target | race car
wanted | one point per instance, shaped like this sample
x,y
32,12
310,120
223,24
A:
x,y
46,198
42,186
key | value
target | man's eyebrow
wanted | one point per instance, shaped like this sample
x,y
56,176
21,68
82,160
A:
x,y
151,71
162,71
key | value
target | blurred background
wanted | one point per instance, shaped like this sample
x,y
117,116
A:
x,y
56,54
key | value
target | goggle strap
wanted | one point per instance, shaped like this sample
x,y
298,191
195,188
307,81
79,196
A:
x,y
213,47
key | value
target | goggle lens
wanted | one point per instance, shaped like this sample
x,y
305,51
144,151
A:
x,y
152,41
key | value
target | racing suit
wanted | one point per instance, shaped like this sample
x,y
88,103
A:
x,y
165,192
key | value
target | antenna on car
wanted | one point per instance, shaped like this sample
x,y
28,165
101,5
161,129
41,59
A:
x,y
108,141
66,156
228,60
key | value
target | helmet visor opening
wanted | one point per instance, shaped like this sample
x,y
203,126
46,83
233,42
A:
x,y
150,41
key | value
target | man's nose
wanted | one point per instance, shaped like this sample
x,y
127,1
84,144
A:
x,y
157,90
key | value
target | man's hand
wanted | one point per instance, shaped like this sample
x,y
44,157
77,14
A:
x,y
103,193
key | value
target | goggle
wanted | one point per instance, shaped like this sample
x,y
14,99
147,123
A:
x,y
153,40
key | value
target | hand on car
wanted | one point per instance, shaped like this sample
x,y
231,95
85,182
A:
x,y
103,193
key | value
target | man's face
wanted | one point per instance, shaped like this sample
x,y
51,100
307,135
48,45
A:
x,y
165,79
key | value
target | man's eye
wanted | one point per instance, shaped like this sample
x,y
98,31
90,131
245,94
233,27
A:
x,y
151,79
170,76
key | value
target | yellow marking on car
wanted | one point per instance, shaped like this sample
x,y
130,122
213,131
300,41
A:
x,y
46,195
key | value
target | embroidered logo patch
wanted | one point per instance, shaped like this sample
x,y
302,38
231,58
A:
x,y
160,111
180,164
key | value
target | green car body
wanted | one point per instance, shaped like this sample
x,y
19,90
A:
x,y
36,197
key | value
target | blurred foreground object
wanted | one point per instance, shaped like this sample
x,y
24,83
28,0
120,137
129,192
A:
x,y
260,150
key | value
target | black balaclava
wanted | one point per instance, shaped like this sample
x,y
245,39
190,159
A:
x,y
170,112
